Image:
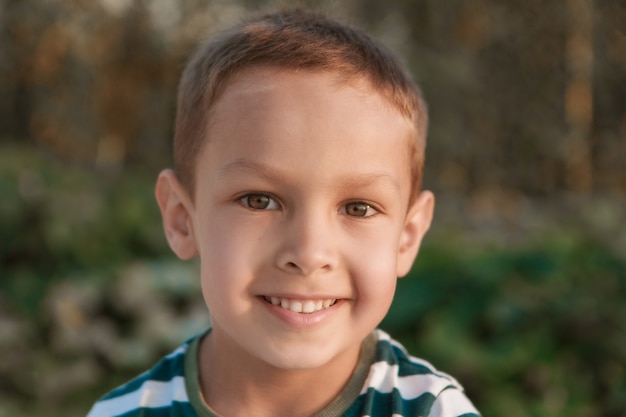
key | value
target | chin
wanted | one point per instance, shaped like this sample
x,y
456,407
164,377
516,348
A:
x,y
298,361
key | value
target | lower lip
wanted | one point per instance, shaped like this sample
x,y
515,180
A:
x,y
301,320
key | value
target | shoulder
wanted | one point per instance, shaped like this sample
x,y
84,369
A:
x,y
404,385
162,386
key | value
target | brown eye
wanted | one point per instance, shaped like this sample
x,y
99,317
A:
x,y
259,202
358,209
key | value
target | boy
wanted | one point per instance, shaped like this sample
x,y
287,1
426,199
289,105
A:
x,y
298,150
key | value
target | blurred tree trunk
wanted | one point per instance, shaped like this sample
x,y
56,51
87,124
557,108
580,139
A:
x,y
578,94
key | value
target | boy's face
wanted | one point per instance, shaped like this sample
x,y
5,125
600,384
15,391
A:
x,y
300,216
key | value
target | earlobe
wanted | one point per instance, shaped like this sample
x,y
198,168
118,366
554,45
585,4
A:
x,y
175,208
417,223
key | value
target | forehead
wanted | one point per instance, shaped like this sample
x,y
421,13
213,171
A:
x,y
277,93
276,116
265,78
258,88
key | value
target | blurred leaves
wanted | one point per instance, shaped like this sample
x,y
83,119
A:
x,y
543,324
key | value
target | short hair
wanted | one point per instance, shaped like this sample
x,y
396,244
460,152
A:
x,y
294,39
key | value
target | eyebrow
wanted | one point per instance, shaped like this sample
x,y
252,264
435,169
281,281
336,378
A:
x,y
242,164
274,175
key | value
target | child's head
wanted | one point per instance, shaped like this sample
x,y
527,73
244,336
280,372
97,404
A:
x,y
298,41
305,142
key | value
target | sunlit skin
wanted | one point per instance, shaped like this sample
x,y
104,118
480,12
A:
x,y
302,198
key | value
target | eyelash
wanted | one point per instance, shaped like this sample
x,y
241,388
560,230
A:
x,y
248,201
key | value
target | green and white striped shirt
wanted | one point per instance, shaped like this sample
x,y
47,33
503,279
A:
x,y
386,382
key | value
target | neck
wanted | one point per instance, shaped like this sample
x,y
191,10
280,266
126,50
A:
x,y
235,383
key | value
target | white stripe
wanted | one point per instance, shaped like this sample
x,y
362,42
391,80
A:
x,y
393,415
415,385
151,394
384,378
380,378
452,402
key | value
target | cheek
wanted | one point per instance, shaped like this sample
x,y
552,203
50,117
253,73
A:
x,y
375,275
378,287
223,263
231,251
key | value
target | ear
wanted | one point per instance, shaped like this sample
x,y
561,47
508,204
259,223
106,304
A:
x,y
416,225
176,209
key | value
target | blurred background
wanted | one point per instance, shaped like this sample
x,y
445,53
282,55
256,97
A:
x,y
519,291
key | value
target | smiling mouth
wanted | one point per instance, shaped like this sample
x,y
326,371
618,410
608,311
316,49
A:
x,y
301,306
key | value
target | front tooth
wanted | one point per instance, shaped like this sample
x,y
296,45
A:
x,y
296,306
308,307
319,304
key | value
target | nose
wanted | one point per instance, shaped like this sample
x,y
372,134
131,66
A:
x,y
308,244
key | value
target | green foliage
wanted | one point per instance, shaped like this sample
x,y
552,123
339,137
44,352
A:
x,y
538,329
58,219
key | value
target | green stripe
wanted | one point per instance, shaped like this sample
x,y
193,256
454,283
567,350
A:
x,y
166,369
176,409
374,403
394,355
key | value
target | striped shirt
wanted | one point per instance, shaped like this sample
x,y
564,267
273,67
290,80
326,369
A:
x,y
386,382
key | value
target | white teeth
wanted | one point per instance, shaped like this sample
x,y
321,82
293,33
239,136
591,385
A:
x,y
296,306
301,306
308,307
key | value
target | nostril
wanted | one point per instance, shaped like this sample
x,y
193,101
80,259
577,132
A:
x,y
292,265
